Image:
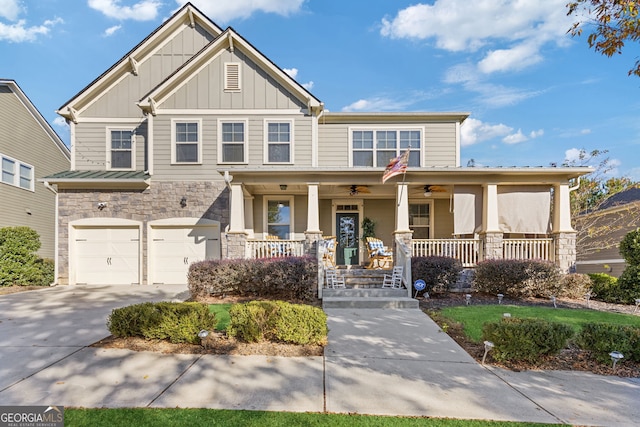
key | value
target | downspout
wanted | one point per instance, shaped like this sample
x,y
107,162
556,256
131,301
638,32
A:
x,y
55,237
575,187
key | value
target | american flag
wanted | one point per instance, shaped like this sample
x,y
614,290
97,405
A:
x,y
396,166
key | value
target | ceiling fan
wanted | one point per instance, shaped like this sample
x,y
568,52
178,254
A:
x,y
354,190
429,189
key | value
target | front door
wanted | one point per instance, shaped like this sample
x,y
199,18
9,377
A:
x,y
347,240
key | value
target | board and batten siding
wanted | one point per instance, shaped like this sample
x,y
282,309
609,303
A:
x,y
258,90
23,138
120,100
93,144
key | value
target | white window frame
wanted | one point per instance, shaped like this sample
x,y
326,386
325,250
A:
x,y
430,203
228,88
245,143
109,147
399,150
267,122
265,210
17,165
174,143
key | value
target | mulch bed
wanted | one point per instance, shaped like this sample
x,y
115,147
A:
x,y
569,359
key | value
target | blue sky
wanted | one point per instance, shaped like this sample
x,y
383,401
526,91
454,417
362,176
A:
x,y
535,94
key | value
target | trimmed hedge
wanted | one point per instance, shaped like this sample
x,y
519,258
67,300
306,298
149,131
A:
x,y
278,321
291,278
518,339
439,273
518,278
603,338
178,322
19,263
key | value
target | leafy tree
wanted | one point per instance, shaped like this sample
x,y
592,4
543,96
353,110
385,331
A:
x,y
19,263
613,22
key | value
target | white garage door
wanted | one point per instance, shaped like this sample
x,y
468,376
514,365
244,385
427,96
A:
x,y
175,248
107,256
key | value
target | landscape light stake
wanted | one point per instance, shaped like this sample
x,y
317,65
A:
x,y
587,297
488,345
500,296
553,300
637,305
467,298
615,357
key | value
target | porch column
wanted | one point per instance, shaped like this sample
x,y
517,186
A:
x,y
402,209
563,234
236,235
313,233
491,234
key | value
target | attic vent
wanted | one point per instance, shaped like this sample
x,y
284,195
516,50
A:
x,y
231,76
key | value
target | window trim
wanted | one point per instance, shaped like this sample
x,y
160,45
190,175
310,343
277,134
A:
x,y
429,202
265,217
109,148
17,164
269,121
174,143
397,129
245,143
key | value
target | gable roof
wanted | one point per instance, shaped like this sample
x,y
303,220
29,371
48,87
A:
x,y
13,86
229,39
187,15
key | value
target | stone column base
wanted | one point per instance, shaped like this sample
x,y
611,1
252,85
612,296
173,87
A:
x,y
234,245
564,246
311,239
492,244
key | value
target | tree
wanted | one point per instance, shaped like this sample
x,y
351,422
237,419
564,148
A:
x,y
613,22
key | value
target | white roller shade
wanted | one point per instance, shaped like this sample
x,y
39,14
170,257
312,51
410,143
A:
x,y
524,209
467,209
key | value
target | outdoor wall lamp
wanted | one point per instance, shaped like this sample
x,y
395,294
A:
x,y
183,201
102,205
283,187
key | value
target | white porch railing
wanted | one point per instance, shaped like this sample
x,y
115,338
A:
x,y
468,251
274,248
540,249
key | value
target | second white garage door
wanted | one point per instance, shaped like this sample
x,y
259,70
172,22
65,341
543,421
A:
x,y
175,248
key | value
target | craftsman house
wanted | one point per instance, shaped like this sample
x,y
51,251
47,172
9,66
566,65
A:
x,y
195,145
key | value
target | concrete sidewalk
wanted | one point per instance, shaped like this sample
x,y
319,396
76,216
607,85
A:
x,y
390,362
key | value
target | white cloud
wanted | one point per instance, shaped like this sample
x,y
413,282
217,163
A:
x,y
225,11
111,30
515,138
292,72
308,85
10,9
525,26
20,32
60,122
474,131
377,104
145,10
585,131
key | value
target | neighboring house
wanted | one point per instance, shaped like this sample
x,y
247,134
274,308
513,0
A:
x,y
29,150
598,250
195,145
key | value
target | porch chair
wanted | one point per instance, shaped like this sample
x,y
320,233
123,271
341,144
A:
x,y
276,247
333,279
380,256
329,255
393,280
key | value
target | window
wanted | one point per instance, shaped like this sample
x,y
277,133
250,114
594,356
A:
x,y
377,146
279,217
17,173
278,147
121,149
187,144
232,142
420,220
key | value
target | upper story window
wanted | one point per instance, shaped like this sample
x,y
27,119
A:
x,y
186,141
17,173
121,149
375,147
420,220
279,142
233,141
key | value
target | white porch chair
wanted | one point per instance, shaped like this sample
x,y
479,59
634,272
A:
x,y
393,280
333,279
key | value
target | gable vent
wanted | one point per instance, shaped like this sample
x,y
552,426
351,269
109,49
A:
x,y
232,76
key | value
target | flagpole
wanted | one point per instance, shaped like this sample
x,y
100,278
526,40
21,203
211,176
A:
x,y
404,175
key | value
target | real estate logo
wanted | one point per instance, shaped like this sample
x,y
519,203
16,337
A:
x,y
31,416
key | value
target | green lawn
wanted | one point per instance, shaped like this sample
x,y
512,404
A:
x,y
474,316
222,314
144,417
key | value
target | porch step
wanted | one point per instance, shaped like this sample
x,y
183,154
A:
x,y
363,278
364,293
367,298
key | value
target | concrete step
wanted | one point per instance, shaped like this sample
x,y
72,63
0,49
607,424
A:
x,y
364,292
369,302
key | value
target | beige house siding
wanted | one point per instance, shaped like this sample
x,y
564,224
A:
x,y
333,145
93,144
205,90
440,144
23,138
120,100
442,220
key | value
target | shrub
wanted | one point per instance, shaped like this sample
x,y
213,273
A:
x,y
291,278
517,278
19,263
629,284
525,339
439,273
630,247
603,338
178,322
618,291
278,321
574,285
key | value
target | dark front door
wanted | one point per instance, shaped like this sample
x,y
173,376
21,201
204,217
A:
x,y
347,232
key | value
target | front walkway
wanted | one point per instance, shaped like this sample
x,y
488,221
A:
x,y
391,362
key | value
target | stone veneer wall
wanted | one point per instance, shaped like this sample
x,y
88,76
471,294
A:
x,y
564,245
205,199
